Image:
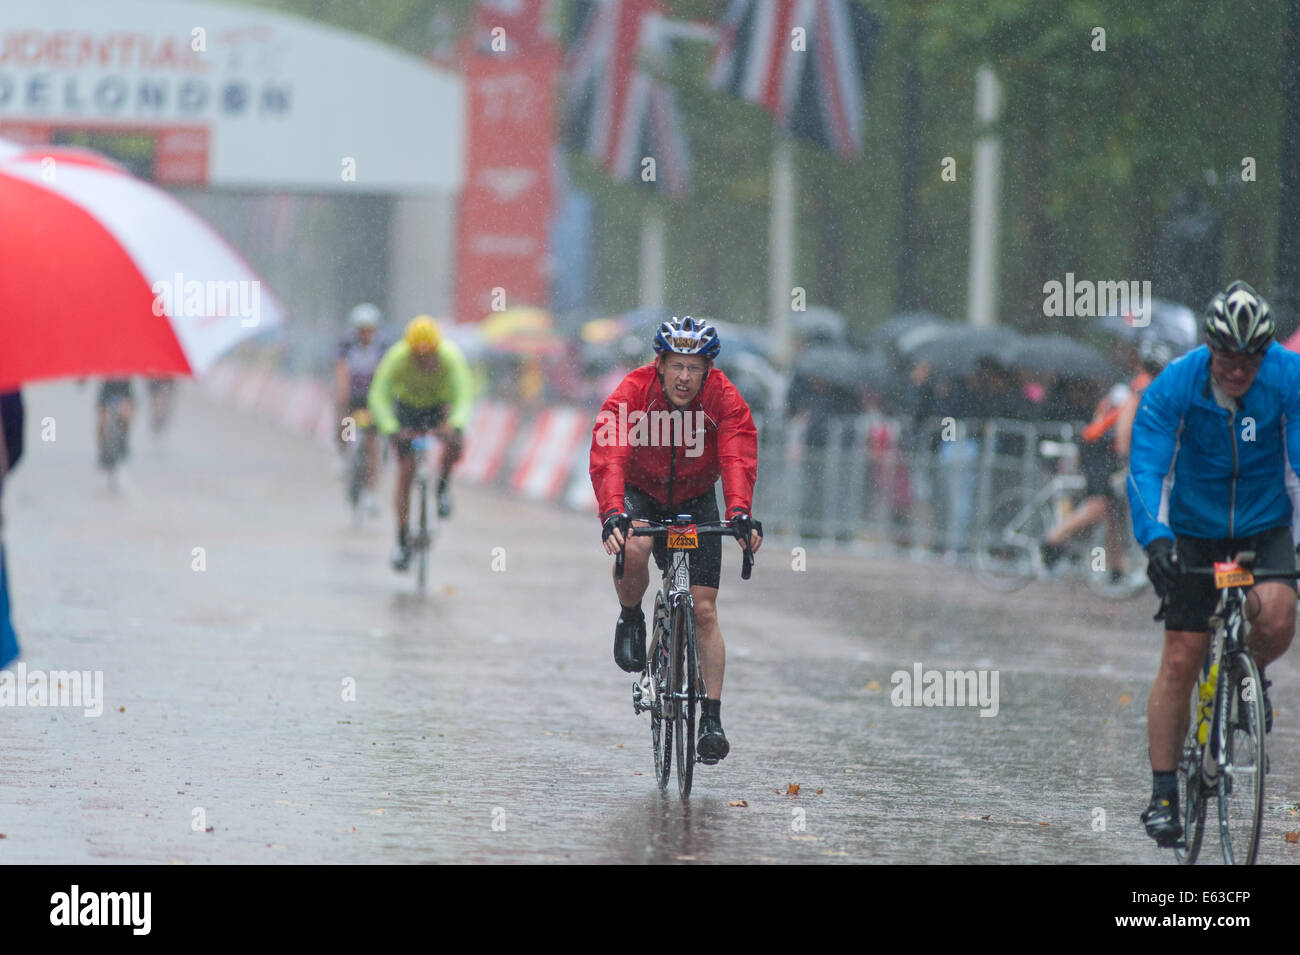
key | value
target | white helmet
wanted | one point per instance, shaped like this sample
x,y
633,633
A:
x,y
365,315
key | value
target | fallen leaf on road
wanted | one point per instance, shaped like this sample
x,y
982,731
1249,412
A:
x,y
210,829
1125,699
1292,837
121,709
820,791
793,790
873,686
738,802
620,745
1043,824
986,818
449,590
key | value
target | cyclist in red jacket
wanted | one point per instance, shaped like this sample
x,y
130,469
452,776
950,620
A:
x,y
661,441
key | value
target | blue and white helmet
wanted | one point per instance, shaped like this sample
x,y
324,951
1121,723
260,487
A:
x,y
688,336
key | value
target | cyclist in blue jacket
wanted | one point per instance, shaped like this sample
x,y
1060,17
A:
x,y
1207,478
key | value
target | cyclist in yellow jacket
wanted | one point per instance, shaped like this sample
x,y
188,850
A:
x,y
422,384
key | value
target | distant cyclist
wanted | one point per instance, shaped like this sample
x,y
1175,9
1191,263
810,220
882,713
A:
x,y
1103,456
162,395
360,352
422,384
115,397
656,483
1221,421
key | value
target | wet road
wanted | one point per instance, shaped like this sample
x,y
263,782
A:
x,y
489,722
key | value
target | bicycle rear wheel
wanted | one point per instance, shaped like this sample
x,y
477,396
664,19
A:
x,y
684,655
1241,781
661,722
1007,543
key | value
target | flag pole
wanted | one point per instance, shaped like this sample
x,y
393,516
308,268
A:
x,y
985,172
781,245
651,286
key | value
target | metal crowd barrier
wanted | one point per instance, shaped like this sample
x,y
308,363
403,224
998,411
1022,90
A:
x,y
872,479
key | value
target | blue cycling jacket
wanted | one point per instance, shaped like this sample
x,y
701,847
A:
x,y
1228,467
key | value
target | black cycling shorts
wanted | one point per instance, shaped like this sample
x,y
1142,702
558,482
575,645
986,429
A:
x,y
1098,461
706,562
419,419
1193,598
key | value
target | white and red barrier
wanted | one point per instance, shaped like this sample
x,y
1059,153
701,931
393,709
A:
x,y
542,456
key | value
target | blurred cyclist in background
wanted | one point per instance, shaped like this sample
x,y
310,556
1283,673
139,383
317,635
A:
x,y
1103,457
360,352
422,384
116,397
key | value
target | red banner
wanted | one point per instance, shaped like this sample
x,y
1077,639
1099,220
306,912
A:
x,y
506,204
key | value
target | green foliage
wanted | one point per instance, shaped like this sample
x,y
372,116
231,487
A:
x,y
1095,145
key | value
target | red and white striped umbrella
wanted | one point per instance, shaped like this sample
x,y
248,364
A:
x,y
103,274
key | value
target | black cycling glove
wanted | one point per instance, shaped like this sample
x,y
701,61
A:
x,y
614,519
1163,567
744,524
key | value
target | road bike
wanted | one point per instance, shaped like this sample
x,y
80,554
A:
x,y
672,686
1223,756
358,461
1008,544
426,531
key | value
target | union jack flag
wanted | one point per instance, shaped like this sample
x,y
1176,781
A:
x,y
818,91
616,110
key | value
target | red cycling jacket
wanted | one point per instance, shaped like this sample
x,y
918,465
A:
x,y
673,457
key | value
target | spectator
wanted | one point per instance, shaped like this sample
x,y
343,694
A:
x,y
11,449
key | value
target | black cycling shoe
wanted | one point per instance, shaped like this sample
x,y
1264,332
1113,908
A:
x,y
401,558
1052,554
444,500
712,744
629,643
1162,822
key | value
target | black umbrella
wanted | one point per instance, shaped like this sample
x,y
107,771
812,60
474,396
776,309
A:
x,y
1168,321
890,330
819,324
842,366
959,351
1060,356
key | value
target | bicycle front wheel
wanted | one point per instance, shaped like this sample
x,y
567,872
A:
x,y
661,722
1119,576
1006,546
1241,781
422,538
1193,793
684,682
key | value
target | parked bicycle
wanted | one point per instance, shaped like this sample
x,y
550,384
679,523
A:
x,y
1224,755
1009,542
672,685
